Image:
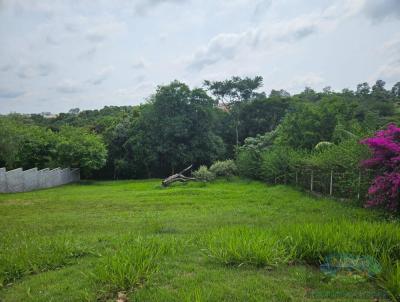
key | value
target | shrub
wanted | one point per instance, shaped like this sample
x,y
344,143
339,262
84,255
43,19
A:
x,y
248,163
204,174
248,156
344,156
385,161
225,168
278,161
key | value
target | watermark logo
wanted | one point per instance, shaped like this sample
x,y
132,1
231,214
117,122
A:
x,y
350,265
348,269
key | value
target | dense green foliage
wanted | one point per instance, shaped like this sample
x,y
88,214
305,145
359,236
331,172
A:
x,y
204,174
179,126
226,168
220,241
26,145
319,135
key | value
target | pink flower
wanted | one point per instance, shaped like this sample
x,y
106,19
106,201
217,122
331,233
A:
x,y
385,147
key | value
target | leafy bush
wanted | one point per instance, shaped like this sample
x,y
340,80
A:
x,y
248,163
346,155
279,161
28,146
225,168
385,161
79,148
204,174
248,156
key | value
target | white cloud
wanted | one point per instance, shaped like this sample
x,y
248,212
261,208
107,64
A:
x,y
102,45
260,8
51,40
390,70
6,93
227,46
144,6
308,80
29,71
140,91
222,47
87,54
379,10
139,64
102,75
101,32
6,67
69,87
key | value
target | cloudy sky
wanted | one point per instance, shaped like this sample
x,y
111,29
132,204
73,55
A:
x,y
56,55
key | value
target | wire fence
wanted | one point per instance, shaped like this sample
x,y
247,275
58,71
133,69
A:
x,y
339,184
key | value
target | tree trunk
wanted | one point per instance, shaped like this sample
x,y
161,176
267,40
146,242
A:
x,y
237,135
177,177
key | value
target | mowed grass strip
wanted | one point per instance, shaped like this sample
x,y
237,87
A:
x,y
193,242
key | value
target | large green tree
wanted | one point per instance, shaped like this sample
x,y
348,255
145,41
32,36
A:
x,y
232,93
175,129
77,147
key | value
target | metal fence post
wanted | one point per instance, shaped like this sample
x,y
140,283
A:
x,y
312,180
331,184
359,184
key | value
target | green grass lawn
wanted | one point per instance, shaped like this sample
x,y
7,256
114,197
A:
x,y
193,242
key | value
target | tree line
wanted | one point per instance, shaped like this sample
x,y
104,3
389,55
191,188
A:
x,y
179,125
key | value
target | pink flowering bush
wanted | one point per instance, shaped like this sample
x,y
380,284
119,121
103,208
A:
x,y
385,160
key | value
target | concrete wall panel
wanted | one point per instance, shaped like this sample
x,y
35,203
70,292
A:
x,y
3,184
14,181
54,178
65,175
42,178
29,180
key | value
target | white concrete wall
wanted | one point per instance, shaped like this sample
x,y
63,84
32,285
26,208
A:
x,y
54,179
30,179
23,181
14,181
3,187
42,177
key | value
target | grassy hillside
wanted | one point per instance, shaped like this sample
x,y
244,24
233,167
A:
x,y
225,241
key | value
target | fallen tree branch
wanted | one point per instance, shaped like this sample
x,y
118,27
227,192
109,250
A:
x,y
178,177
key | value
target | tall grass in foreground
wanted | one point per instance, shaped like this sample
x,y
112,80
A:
x,y
311,243
389,279
130,263
22,254
237,246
